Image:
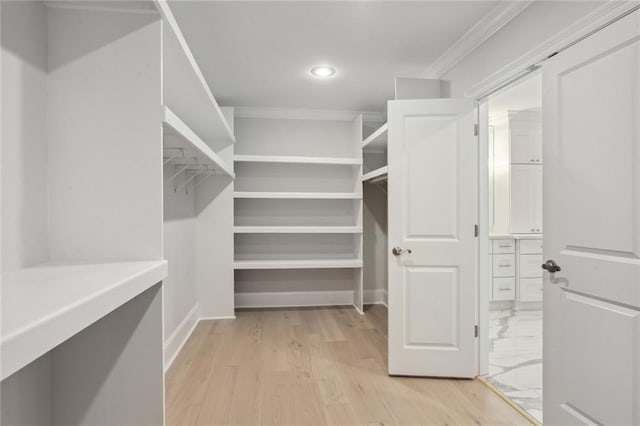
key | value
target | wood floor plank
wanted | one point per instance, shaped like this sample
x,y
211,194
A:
x,y
313,366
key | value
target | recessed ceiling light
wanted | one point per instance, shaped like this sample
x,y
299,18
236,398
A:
x,y
322,71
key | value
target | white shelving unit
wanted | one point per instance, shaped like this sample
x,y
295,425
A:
x,y
296,160
376,175
301,195
82,259
298,264
298,212
377,140
298,229
45,305
183,148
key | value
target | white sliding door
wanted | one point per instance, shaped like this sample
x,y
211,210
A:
x,y
432,188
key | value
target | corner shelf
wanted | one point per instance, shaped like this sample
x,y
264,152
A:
x,y
187,140
297,229
298,264
300,195
377,140
297,160
376,175
44,305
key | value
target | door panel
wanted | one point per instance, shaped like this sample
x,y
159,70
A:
x,y
521,200
591,105
432,190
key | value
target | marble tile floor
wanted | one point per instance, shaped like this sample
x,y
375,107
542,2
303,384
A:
x,y
515,357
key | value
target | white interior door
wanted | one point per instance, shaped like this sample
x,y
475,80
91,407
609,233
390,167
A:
x,y
432,151
591,136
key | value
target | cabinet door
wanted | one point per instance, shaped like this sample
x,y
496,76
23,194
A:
x,y
537,144
536,181
522,143
522,200
529,265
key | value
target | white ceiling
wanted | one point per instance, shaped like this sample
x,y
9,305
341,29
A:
x,y
258,53
524,95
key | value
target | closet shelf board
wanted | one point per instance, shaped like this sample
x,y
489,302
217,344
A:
x,y
382,171
377,140
298,264
297,160
188,140
297,229
205,109
300,195
44,305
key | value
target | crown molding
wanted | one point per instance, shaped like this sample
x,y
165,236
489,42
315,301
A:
x,y
307,114
499,16
600,17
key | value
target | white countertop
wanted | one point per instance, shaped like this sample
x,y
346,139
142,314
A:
x,y
44,305
516,236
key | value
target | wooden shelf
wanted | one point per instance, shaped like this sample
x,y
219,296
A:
x,y
297,229
186,91
378,174
298,264
300,195
42,306
378,139
179,135
297,160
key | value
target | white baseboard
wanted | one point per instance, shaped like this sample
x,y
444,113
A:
x,y
179,337
293,299
217,318
385,300
375,297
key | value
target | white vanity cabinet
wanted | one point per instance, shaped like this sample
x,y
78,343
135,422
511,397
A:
x,y
516,275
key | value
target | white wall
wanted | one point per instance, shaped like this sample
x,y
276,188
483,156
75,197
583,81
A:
x,y
24,142
180,292
537,23
375,244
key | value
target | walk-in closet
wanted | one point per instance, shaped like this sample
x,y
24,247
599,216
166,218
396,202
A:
x,y
245,212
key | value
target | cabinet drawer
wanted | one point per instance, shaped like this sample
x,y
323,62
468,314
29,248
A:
x,y
531,246
504,265
504,289
530,265
504,246
530,290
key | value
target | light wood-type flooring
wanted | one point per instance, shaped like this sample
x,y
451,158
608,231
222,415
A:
x,y
314,366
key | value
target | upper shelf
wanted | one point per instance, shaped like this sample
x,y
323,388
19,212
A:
x,y
178,135
297,229
185,89
376,175
43,306
300,195
297,160
377,141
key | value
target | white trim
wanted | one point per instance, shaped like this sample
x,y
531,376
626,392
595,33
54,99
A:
x,y
601,16
217,318
294,299
488,25
307,114
101,6
374,296
385,298
179,337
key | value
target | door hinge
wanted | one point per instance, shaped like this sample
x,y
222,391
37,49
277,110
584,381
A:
x,y
476,330
476,131
476,230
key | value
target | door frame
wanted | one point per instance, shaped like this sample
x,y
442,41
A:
x,y
508,75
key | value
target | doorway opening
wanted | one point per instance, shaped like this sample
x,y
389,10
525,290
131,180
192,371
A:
x,y
515,167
